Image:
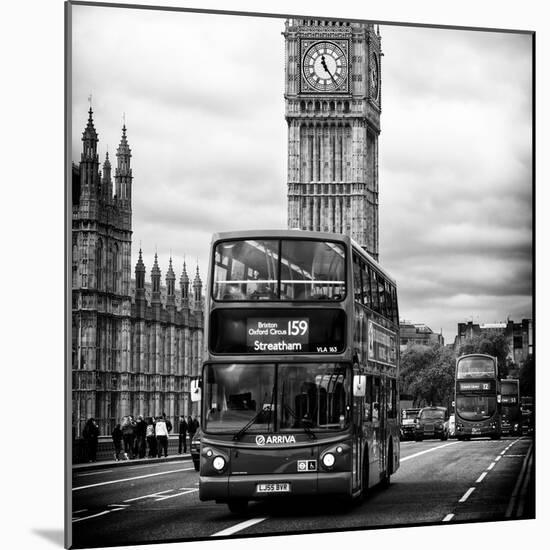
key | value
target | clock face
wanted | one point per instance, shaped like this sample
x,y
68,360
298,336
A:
x,y
374,77
325,67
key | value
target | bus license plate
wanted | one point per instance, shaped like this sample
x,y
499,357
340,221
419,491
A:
x,y
476,430
273,487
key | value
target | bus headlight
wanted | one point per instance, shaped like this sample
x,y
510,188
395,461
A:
x,y
328,460
219,463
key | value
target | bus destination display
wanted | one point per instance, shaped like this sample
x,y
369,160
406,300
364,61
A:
x,y
277,335
475,386
246,331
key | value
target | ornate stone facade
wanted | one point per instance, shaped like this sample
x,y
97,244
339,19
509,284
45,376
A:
x,y
333,105
135,346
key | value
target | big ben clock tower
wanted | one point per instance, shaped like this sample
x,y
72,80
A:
x,y
332,97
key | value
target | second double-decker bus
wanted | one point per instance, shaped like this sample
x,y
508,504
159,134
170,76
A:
x,y
299,382
510,411
477,395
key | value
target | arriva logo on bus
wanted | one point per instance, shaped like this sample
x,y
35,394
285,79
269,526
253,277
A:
x,y
262,440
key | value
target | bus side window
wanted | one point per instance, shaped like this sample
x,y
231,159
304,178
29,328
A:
x,y
382,296
374,291
389,303
391,401
367,299
368,400
376,400
357,279
394,304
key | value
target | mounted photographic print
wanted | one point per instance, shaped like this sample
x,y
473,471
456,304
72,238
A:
x,y
299,275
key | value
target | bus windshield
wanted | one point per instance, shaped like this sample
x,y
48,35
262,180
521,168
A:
x,y
268,397
478,407
274,269
475,367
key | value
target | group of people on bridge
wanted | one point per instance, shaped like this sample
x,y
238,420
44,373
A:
x,y
136,437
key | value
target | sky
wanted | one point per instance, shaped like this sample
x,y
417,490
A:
x,y
202,97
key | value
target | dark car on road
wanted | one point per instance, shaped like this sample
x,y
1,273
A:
x,y
432,422
195,449
408,417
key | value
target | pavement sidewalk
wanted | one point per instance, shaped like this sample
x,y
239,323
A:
x,y
102,464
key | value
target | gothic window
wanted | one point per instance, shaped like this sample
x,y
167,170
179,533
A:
x,y
99,263
116,267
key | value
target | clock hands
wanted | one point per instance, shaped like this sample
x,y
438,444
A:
x,y
324,64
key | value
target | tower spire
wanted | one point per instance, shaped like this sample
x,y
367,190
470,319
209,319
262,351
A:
x,y
123,172
89,160
155,280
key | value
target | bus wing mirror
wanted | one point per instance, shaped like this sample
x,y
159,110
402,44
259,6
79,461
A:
x,y
359,385
195,390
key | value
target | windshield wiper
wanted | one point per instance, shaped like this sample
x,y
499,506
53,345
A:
x,y
255,417
302,421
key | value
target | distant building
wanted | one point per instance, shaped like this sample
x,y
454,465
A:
x,y
519,336
417,333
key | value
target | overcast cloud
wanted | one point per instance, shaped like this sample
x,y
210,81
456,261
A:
x,y
203,100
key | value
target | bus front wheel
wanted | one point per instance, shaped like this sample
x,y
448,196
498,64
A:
x,y
238,507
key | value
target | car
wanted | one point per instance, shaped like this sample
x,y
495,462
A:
x,y
432,422
196,448
408,417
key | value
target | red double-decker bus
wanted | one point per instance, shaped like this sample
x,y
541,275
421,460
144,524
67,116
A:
x,y
510,408
299,383
477,393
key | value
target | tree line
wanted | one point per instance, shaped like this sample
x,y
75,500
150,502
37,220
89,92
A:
x,y
428,371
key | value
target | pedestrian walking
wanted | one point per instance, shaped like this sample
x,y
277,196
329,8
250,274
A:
x,y
191,428
151,437
90,435
161,433
182,435
117,441
141,434
128,434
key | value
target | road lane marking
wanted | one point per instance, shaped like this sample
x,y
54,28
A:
x,y
94,473
238,527
176,495
514,456
428,451
147,496
130,479
153,464
491,466
467,494
80,511
448,517
119,505
94,516
480,478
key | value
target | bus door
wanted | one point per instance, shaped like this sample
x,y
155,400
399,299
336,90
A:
x,y
376,421
357,441
383,423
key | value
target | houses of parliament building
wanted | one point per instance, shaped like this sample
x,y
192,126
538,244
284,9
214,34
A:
x,y
136,344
